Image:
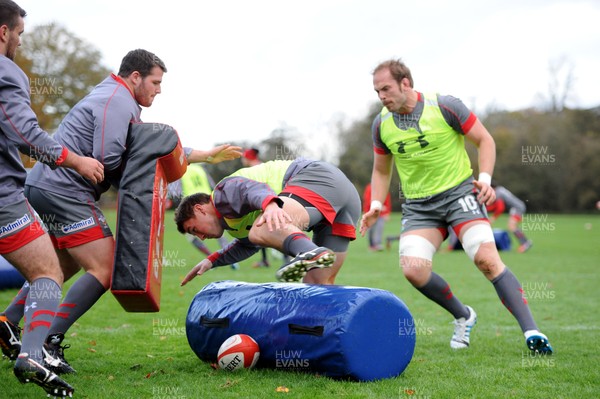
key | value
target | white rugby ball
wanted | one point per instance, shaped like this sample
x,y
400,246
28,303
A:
x,y
239,351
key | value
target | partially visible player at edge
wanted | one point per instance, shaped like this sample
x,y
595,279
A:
x,y
23,240
424,135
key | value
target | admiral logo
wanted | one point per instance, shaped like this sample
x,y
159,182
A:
x,y
82,224
14,226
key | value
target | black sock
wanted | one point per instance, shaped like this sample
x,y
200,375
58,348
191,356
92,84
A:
x,y
14,311
438,290
520,236
297,243
42,301
511,294
82,295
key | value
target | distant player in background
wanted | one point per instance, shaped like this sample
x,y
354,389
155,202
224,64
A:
x,y
196,180
375,233
508,202
250,158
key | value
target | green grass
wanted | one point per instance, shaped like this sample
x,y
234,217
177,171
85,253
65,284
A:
x,y
126,355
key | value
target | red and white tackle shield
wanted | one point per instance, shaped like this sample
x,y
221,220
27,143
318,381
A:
x,y
153,159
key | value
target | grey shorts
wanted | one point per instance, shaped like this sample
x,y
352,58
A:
x,y
70,220
19,225
326,188
452,208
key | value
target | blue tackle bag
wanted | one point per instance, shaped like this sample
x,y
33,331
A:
x,y
345,332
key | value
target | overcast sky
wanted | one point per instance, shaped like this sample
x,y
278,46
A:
x,y
237,69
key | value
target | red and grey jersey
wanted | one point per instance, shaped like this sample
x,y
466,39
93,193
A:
x,y
19,130
96,127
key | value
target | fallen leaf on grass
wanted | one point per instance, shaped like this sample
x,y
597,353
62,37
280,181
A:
x,y
229,383
154,373
282,389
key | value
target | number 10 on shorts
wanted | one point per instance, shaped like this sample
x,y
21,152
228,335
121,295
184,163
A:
x,y
469,203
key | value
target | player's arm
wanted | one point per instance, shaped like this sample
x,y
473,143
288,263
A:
x,y
484,141
224,152
236,251
381,176
20,125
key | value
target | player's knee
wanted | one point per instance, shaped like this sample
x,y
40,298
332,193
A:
x,y
254,236
416,255
488,261
474,237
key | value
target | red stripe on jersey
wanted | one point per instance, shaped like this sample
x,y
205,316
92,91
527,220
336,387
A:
x,y
466,127
62,157
67,305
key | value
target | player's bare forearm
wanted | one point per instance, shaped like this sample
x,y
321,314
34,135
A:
x,y
223,152
197,270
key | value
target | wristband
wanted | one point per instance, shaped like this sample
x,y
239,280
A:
x,y
377,205
485,178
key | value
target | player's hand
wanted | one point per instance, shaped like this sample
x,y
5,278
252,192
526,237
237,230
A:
x,y
274,216
487,195
197,270
87,167
225,152
368,220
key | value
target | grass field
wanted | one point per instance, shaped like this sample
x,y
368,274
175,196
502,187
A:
x,y
146,355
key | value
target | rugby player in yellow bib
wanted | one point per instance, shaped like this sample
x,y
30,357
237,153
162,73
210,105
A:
x,y
424,134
